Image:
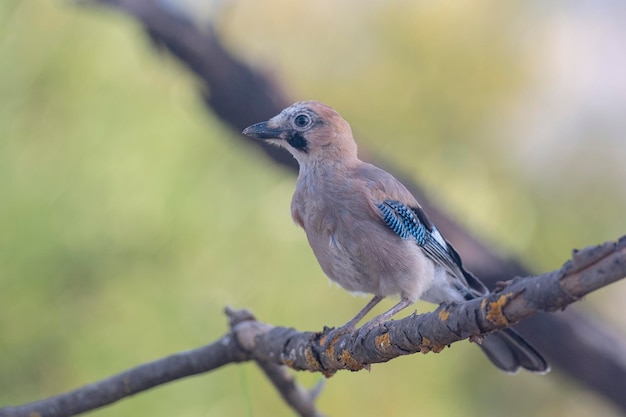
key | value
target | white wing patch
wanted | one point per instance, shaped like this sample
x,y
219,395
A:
x,y
435,233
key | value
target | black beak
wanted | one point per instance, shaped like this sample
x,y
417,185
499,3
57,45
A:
x,y
262,131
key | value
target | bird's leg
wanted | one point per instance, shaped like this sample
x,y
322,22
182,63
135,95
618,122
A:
x,y
351,325
381,318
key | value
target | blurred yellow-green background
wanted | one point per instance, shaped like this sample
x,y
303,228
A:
x,y
129,216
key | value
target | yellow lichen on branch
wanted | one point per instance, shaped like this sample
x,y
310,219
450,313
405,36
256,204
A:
x,y
383,342
443,315
494,311
349,361
311,360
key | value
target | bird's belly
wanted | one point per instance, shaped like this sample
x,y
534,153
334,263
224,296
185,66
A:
x,y
365,266
341,263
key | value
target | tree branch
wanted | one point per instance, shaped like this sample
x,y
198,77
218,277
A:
x,y
141,378
588,270
300,400
516,300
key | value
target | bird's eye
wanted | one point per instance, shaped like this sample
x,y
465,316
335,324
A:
x,y
302,120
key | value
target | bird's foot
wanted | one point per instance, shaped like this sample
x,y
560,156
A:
x,y
375,322
387,315
330,335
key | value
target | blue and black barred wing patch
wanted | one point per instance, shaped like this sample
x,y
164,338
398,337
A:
x,y
411,223
403,221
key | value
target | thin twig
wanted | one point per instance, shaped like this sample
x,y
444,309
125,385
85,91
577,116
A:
x,y
296,397
299,399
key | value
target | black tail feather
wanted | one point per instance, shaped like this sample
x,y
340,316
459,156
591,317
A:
x,y
509,352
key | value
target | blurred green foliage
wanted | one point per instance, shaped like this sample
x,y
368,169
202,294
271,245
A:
x,y
129,217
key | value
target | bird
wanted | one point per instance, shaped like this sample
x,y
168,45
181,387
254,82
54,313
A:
x,y
369,233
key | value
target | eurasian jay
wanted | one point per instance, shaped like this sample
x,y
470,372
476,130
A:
x,y
369,234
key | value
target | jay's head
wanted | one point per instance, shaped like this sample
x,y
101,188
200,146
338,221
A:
x,y
310,131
